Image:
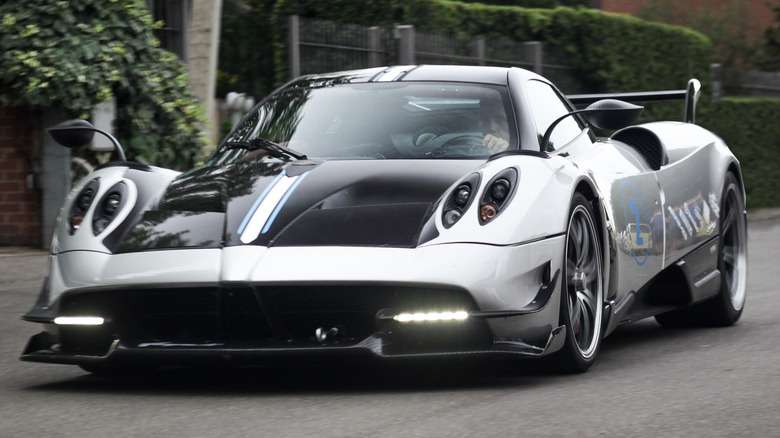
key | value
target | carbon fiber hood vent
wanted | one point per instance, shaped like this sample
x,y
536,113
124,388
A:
x,y
378,203
343,219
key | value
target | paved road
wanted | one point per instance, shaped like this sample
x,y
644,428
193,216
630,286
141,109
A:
x,y
648,381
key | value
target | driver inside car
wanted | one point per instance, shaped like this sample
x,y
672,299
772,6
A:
x,y
496,129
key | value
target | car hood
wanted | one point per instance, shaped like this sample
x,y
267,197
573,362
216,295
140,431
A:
x,y
384,203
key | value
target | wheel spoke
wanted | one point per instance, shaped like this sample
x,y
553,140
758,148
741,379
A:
x,y
588,299
729,257
586,328
576,311
577,242
584,244
571,269
728,280
729,220
590,268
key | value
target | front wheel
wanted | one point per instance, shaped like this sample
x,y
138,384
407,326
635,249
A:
x,y
582,291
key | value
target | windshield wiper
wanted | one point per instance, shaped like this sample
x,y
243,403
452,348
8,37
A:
x,y
274,149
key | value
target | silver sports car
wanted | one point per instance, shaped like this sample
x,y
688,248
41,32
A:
x,y
400,212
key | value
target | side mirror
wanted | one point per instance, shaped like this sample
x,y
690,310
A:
x,y
605,114
77,133
612,114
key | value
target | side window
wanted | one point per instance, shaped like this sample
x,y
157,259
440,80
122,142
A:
x,y
546,106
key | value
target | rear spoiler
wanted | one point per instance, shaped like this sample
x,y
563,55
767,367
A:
x,y
690,95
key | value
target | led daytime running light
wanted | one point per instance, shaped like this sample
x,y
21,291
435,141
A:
x,y
79,320
459,315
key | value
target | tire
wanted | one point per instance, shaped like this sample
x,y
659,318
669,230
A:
x,y
582,291
725,308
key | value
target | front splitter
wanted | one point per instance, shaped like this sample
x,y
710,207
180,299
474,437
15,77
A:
x,y
44,348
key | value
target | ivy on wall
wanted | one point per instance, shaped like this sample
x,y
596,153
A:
x,y
71,55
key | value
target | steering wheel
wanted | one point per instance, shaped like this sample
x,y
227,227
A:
x,y
462,144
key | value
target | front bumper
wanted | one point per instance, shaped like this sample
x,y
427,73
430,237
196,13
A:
x,y
249,313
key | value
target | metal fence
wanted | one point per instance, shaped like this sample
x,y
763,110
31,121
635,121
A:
x,y
318,46
737,82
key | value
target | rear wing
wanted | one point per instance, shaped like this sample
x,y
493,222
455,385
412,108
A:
x,y
690,95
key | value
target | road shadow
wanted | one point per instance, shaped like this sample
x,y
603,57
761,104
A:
x,y
357,376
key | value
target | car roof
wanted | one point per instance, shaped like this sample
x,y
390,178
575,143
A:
x,y
407,73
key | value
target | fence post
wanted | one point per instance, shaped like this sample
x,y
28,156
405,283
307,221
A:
x,y
374,43
293,26
404,37
480,45
717,81
532,52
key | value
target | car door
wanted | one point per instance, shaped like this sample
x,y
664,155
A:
x,y
629,189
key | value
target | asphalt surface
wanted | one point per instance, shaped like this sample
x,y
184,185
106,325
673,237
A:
x,y
648,381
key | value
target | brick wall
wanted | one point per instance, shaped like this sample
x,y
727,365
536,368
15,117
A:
x,y
20,212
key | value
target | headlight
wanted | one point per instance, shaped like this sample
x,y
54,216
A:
x,y
498,192
459,200
81,204
500,189
106,210
111,202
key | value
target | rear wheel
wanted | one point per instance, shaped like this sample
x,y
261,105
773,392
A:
x,y
725,308
582,292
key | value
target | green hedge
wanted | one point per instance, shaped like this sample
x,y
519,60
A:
x,y
749,127
610,52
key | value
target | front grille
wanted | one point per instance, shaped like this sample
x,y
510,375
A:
x,y
255,317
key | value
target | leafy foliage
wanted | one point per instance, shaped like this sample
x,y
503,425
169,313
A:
x,y
72,55
533,3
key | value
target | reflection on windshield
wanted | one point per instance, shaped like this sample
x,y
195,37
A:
x,y
392,120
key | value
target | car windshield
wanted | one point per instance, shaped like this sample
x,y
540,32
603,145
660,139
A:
x,y
377,121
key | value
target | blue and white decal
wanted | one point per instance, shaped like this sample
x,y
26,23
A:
x,y
638,231
267,206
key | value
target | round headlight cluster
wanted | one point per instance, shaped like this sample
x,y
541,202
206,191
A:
x,y
81,205
108,207
85,198
459,200
497,194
